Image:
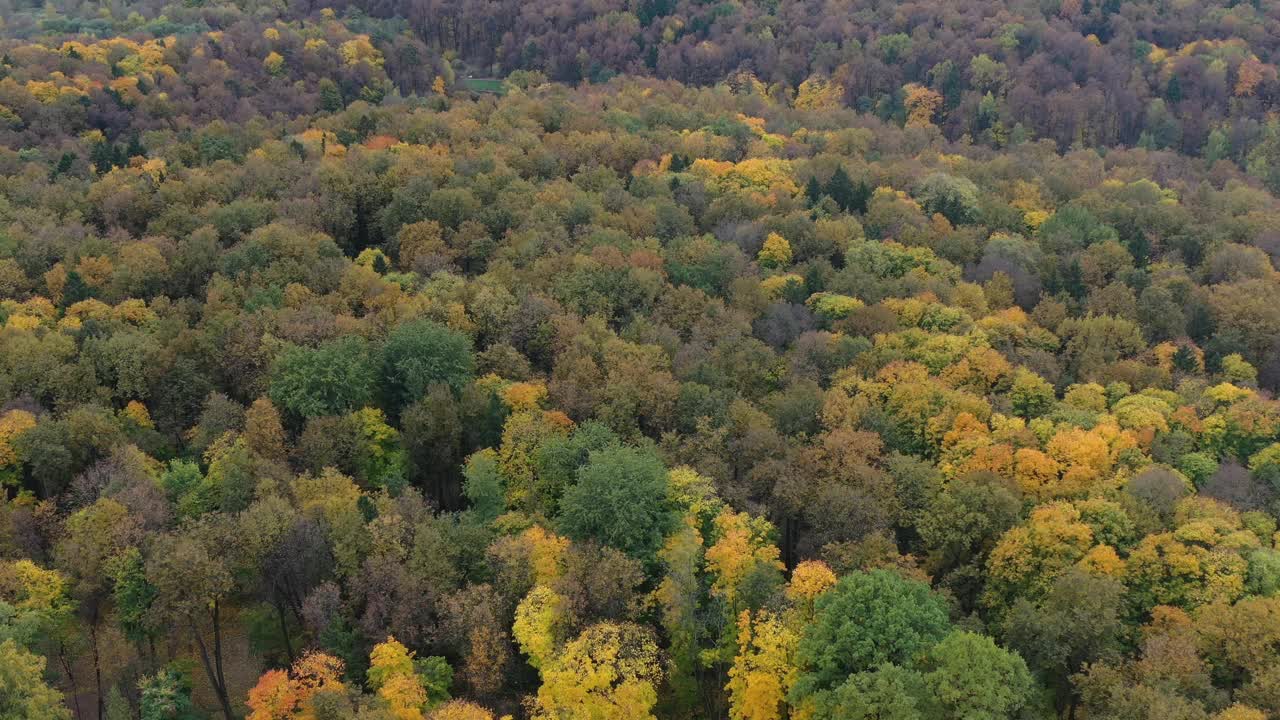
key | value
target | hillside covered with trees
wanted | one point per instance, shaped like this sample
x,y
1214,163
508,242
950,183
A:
x,y
669,359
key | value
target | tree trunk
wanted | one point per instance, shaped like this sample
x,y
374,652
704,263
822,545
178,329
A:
x,y
214,673
97,665
71,678
284,630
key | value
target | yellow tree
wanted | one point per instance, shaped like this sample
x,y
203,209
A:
x,y
12,424
776,252
743,546
764,669
921,104
611,670
460,710
539,624
392,676
1029,557
809,579
818,93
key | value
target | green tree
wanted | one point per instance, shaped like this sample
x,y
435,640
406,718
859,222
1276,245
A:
x,y
1080,621
955,198
332,379
970,678
867,619
620,499
166,695
420,354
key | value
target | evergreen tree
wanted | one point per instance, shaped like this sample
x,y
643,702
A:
x,y
813,191
1073,280
75,290
135,148
330,96
841,189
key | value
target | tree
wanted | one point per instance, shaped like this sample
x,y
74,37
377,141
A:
x,y
1028,558
867,619
620,500
1080,621
840,189
483,485
889,692
610,670
281,695
540,625
166,695
763,669
955,198
394,676
23,692
1031,395
921,104
94,537
333,379
420,354
460,710
970,678
776,252
192,581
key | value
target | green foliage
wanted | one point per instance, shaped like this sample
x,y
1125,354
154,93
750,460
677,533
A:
x,y
420,354
868,619
969,677
166,695
619,499
483,485
334,378
955,198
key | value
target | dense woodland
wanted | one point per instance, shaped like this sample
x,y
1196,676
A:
x,y
673,359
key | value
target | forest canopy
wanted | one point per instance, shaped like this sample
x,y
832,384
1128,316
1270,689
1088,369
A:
x,y
665,359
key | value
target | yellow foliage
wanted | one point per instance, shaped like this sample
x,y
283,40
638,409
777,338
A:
x,y
546,550
775,284
137,413
1085,458
539,624
360,50
809,579
91,309
95,270
524,395
743,544
776,252
1103,560
921,104
22,322
818,93
764,669
609,671
405,696
1240,712
12,424
273,63
1028,558
134,311
460,710
1036,473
